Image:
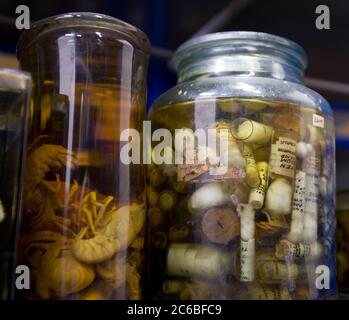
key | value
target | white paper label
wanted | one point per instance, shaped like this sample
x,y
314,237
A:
x,y
299,194
311,199
247,260
256,198
283,157
318,121
312,185
295,250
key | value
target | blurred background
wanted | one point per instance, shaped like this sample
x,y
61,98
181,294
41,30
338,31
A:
x,y
168,23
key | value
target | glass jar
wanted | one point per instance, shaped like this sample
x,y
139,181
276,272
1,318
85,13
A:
x,y
241,189
83,208
14,102
342,233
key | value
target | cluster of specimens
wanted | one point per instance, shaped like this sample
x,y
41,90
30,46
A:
x,y
259,229
78,242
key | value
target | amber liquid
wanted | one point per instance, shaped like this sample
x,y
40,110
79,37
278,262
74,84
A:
x,y
77,191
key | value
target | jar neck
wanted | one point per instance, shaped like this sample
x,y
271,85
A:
x,y
241,66
241,54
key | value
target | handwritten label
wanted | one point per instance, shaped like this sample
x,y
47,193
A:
x,y
299,193
247,260
312,168
286,249
318,121
283,157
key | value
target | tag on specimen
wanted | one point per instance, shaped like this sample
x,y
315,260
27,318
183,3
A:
x,y
252,173
285,249
247,243
223,173
283,157
299,193
310,227
247,260
312,167
217,157
298,207
318,121
256,196
190,172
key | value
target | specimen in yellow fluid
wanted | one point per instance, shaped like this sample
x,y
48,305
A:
x,y
73,235
241,236
257,195
252,175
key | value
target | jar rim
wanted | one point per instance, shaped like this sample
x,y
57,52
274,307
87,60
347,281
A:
x,y
83,19
232,38
14,79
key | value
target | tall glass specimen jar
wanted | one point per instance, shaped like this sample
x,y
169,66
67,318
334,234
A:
x,y
83,209
246,212
14,103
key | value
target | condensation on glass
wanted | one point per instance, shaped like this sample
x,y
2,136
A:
x,y
83,209
14,105
263,228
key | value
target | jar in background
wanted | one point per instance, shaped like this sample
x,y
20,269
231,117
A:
x,y
83,209
14,105
262,228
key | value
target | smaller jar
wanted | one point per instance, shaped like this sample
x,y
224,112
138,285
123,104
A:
x,y
14,105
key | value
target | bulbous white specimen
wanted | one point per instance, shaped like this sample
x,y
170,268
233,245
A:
x,y
247,221
301,150
304,149
279,197
310,228
208,196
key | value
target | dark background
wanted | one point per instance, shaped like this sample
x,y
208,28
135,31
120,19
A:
x,y
168,23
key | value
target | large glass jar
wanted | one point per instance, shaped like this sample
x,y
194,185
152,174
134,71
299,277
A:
x,y
14,102
241,191
83,209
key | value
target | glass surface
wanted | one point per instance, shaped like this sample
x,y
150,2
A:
x,y
263,228
83,209
14,102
